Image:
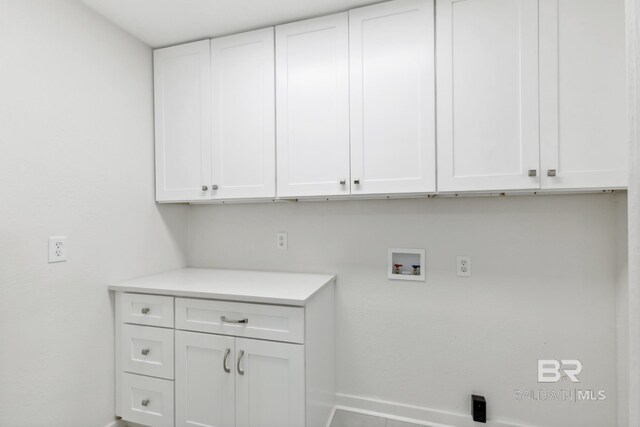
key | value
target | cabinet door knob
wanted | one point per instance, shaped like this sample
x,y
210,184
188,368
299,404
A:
x,y
533,172
145,351
145,402
205,188
551,172
240,371
343,181
224,360
145,310
356,181
214,187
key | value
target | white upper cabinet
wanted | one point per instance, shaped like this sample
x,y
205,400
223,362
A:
x,y
243,85
531,96
487,68
392,98
582,94
182,88
312,81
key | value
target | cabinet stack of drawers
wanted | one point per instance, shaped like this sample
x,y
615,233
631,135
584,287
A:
x,y
145,358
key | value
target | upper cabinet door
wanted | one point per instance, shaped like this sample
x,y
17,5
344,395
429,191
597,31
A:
x,y
392,98
182,91
269,384
312,92
487,74
205,380
243,83
583,94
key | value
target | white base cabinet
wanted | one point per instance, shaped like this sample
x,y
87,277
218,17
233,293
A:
x,y
269,384
237,364
205,380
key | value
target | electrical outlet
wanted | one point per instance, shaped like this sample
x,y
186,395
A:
x,y
57,248
282,242
463,266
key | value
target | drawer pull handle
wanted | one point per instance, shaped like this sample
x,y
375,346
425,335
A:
x,y
145,351
551,172
224,361
240,371
225,320
145,310
145,402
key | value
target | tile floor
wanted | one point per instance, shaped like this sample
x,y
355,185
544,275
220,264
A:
x,y
353,419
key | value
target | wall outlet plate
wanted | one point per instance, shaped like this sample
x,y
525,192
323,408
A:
x,y
463,266
282,241
57,248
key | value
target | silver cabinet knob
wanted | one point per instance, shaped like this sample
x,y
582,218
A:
x,y
214,187
145,351
145,310
343,181
205,188
533,172
356,181
551,172
145,402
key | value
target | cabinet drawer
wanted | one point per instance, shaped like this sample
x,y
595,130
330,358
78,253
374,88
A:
x,y
146,400
268,322
152,310
147,350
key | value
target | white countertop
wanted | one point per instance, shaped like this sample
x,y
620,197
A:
x,y
231,285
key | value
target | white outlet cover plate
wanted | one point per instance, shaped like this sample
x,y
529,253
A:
x,y
463,266
57,248
282,241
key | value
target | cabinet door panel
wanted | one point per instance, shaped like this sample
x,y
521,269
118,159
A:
x,y
182,92
204,390
271,391
244,158
488,136
312,92
392,97
583,115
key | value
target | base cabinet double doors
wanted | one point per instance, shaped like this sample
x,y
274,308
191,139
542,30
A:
x,y
224,381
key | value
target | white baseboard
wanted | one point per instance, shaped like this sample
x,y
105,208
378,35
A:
x,y
116,423
333,412
411,413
